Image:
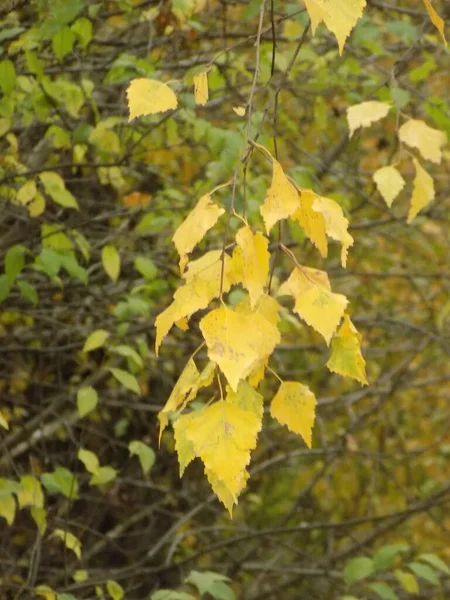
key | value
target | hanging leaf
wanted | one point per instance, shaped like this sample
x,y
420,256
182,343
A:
x,y
111,261
201,88
87,399
70,541
437,21
408,582
389,183
282,199
346,358
30,493
145,454
366,113
95,340
126,379
423,192
148,97
252,261
313,222
294,405
336,225
7,508
428,141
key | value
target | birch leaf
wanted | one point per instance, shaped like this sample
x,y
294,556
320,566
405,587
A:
x,y
437,21
313,222
423,192
238,341
281,200
148,97
8,508
201,94
252,254
183,445
294,405
247,398
346,358
366,113
222,492
194,227
336,225
95,340
389,183
70,541
30,493
428,141
111,261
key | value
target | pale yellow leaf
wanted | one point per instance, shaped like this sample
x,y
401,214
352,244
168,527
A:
x,y
322,310
30,493
389,183
238,341
282,199
252,254
423,192
428,141
223,436
303,279
194,227
258,373
247,397
340,16
239,110
336,224
70,541
313,222
201,88
294,405
366,113
266,305
346,358
437,21
95,340
148,97
111,261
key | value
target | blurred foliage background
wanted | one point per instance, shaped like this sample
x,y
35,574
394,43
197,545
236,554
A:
x,y
89,203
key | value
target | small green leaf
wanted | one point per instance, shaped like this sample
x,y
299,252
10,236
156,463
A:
x,y
103,475
62,42
383,590
357,569
39,516
384,558
146,267
424,572
115,590
4,287
407,581
95,340
30,492
8,508
62,481
28,292
82,28
129,352
89,460
111,261
70,541
14,262
87,399
145,454
7,76
206,581
435,562
126,379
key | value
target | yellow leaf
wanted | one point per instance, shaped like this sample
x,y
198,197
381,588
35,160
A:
x,y
148,97
294,405
389,183
257,374
30,493
427,140
26,193
246,397
282,199
314,301
336,224
312,222
346,358
223,436
252,254
183,446
239,110
201,88
203,278
366,113
194,227
111,261
37,206
266,305
95,340
3,422
340,16
46,592
238,341
437,21
39,516
70,541
221,490
408,582
8,508
423,192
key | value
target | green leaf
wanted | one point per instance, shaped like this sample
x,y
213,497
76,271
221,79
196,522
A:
x,y
115,590
171,595
30,493
435,562
384,558
7,76
145,454
8,508
95,340
129,352
65,597
383,590
28,292
407,581
14,262
56,188
103,475
87,399
424,572
62,42
70,541
206,581
4,287
8,487
111,261
89,460
357,569
126,379
62,481
82,28
39,516
146,267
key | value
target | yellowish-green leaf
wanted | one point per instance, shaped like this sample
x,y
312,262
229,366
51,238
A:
x,y
46,592
148,97
294,405
252,261
366,113
26,193
346,358
89,460
87,399
30,493
313,222
145,454
194,227
223,436
70,541
8,508
37,206
115,590
238,341
340,16
389,183
103,475
3,422
183,446
39,516
336,225
282,199
247,398
423,191
408,581
201,88
222,492
126,379
239,110
437,21
56,188
95,340
428,141
111,261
